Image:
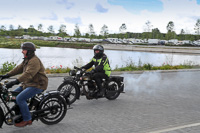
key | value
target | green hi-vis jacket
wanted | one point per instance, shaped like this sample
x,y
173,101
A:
x,y
101,65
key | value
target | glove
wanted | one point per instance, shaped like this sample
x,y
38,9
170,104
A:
x,y
92,71
11,83
82,67
4,76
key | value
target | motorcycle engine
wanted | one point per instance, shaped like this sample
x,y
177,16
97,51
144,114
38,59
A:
x,y
91,85
15,117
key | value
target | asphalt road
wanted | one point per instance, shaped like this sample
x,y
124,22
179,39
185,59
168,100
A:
x,y
153,103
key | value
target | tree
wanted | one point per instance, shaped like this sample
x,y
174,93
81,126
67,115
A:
x,y
170,26
77,32
20,27
31,30
104,31
122,28
197,27
148,26
3,30
11,30
156,33
62,30
91,31
182,35
31,27
40,27
51,29
170,31
11,27
20,30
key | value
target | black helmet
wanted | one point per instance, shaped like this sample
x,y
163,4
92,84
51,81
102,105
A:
x,y
101,50
28,46
98,47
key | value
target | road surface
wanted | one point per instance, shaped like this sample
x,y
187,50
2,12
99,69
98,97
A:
x,y
154,102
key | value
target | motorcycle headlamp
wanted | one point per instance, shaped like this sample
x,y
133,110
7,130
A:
x,y
72,73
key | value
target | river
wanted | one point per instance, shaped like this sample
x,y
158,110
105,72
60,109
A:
x,y
69,57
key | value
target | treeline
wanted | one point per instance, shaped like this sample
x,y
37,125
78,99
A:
x,y
149,34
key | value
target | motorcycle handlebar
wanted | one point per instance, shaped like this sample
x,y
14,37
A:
x,y
77,68
82,70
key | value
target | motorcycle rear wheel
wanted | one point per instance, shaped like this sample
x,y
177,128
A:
x,y
112,90
54,115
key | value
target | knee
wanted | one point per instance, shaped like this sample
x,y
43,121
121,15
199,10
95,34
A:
x,y
19,99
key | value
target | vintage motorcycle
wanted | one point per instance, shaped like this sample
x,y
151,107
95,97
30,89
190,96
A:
x,y
50,107
80,82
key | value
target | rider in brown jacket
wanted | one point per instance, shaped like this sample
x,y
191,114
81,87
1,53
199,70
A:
x,y
33,80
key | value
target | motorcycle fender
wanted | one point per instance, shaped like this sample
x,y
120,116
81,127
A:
x,y
76,85
68,79
119,80
2,116
121,89
52,93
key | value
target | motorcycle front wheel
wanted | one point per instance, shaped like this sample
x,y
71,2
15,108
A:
x,y
1,117
69,91
56,112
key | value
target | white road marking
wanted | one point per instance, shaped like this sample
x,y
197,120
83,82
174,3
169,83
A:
x,y
176,128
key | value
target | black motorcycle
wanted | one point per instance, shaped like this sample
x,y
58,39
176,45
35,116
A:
x,y
80,82
50,107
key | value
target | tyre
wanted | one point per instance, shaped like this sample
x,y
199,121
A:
x,y
69,91
56,113
1,117
112,90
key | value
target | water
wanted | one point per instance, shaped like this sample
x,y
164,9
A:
x,y
68,57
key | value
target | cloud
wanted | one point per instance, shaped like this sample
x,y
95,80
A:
x,y
112,13
67,4
6,18
53,16
73,20
136,7
100,8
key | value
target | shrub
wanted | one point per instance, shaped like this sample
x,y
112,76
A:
x,y
6,67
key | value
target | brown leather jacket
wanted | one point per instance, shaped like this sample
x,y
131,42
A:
x,y
32,73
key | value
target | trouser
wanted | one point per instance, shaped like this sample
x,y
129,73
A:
x,y
22,97
98,79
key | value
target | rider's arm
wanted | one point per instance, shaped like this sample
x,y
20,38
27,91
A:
x,y
89,65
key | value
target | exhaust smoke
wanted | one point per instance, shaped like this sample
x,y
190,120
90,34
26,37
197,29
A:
x,y
142,83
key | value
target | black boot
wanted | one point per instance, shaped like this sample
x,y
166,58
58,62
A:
x,y
101,93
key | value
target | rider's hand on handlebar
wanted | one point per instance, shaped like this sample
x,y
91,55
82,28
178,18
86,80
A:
x,y
11,83
92,71
4,76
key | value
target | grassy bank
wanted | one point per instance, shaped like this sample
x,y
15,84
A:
x,y
16,43
6,67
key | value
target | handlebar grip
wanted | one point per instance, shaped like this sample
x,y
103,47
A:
x,y
77,68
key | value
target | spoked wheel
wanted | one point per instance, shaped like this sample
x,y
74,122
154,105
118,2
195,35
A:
x,y
69,91
1,117
112,90
56,110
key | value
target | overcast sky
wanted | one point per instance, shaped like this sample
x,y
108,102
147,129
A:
x,y
113,13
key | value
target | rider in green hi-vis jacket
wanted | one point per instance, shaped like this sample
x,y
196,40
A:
x,y
102,67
